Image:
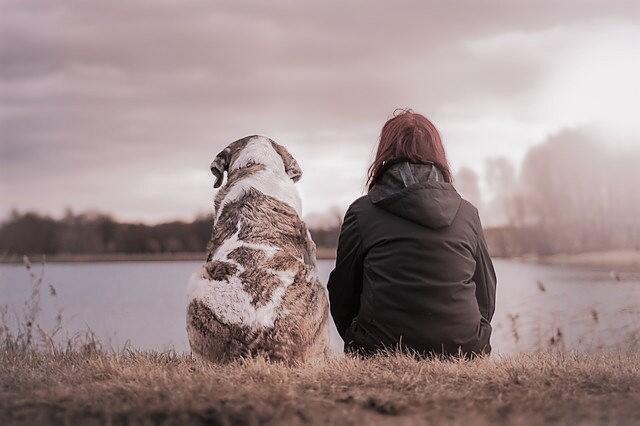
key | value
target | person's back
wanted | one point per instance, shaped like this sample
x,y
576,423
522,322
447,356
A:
x,y
412,268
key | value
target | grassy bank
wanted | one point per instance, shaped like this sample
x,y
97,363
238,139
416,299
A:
x,y
165,388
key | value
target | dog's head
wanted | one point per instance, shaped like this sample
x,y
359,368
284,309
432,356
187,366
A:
x,y
254,150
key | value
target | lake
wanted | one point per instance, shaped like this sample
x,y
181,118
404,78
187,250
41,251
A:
x,y
142,304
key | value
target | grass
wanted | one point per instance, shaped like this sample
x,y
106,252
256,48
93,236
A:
x,y
166,388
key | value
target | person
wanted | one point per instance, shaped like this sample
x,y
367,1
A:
x,y
412,268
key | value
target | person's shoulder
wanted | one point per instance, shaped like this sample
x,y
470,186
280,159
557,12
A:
x,y
358,204
469,212
357,207
468,208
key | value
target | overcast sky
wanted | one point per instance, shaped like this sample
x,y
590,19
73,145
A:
x,y
121,106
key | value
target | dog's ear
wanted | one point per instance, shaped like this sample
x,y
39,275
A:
x,y
220,165
291,166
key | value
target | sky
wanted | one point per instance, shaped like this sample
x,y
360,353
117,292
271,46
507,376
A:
x,y
121,106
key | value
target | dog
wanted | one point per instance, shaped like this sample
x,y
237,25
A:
x,y
258,293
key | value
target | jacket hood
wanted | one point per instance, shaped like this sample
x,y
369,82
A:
x,y
417,192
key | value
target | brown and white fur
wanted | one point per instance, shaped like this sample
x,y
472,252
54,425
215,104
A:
x,y
258,293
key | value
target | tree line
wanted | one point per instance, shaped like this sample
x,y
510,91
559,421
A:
x,y
572,194
99,233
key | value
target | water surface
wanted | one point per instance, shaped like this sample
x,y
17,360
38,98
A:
x,y
143,304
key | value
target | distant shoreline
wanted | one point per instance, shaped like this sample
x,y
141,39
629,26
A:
x,y
323,253
619,261
611,260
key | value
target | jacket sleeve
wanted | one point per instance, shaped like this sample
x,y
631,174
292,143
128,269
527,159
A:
x,y
485,278
345,281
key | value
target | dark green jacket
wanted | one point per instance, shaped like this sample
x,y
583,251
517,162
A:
x,y
412,268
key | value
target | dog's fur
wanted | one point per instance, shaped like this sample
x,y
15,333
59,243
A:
x,y
258,294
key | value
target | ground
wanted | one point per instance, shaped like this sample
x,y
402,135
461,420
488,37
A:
x,y
164,388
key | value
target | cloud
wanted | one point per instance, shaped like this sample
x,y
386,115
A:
x,y
101,100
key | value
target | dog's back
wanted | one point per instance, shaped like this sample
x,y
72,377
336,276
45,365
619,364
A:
x,y
258,293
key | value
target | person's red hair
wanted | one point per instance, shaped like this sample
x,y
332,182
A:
x,y
408,136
